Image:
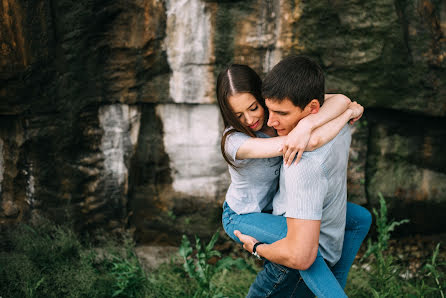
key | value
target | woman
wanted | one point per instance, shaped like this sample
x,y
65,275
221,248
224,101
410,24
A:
x,y
251,149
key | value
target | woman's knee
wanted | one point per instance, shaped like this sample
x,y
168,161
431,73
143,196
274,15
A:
x,y
360,215
365,217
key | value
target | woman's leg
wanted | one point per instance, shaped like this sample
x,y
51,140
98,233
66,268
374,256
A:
x,y
357,226
320,279
269,228
264,227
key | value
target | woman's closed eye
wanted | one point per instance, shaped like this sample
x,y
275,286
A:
x,y
254,108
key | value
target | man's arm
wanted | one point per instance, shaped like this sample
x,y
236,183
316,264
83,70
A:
x,y
305,189
297,250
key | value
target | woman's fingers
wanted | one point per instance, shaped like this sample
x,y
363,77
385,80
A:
x,y
291,157
286,153
299,156
290,154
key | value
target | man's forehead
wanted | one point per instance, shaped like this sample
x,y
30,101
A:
x,y
273,103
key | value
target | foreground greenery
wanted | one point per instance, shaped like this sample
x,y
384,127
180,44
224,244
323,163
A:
x,y
51,261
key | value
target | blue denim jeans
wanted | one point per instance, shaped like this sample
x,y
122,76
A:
x,y
319,279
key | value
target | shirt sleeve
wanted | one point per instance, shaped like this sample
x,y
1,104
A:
x,y
233,143
306,188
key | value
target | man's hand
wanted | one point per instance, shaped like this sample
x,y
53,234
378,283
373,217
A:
x,y
357,110
248,241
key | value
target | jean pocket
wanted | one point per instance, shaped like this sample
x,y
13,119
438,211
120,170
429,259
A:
x,y
276,272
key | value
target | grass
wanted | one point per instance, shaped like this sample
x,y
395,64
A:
x,y
51,261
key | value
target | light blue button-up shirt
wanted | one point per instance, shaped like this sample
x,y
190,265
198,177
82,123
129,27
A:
x,y
316,189
254,182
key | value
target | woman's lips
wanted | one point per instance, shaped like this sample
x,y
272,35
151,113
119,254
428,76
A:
x,y
254,125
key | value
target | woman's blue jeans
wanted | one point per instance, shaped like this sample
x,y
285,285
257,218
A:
x,y
278,280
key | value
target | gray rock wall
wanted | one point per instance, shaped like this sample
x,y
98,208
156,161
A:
x,y
108,116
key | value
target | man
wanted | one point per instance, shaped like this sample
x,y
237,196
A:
x,y
312,194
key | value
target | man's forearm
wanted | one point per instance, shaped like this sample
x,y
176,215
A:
x,y
286,253
297,250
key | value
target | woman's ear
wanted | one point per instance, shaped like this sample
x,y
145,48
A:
x,y
314,106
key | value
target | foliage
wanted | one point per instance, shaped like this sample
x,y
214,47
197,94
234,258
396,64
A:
x,y
130,279
432,281
384,230
437,275
50,261
383,276
170,280
198,267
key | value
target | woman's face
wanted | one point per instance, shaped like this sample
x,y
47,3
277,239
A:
x,y
249,112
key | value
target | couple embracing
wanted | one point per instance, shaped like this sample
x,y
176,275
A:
x,y
289,205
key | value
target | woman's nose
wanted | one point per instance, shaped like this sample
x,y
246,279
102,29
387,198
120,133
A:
x,y
248,119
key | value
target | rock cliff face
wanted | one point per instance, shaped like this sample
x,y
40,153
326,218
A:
x,y
108,116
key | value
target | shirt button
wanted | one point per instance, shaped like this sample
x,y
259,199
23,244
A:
x,y
276,172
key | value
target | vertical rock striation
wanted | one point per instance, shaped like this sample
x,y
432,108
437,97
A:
x,y
190,51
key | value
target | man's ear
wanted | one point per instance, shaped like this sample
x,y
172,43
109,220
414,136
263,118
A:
x,y
314,106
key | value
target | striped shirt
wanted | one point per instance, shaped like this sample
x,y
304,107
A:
x,y
316,189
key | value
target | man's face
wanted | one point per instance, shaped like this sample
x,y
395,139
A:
x,y
284,115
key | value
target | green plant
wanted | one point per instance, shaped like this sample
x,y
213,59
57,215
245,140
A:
x,y
432,279
384,230
187,220
51,261
32,289
128,275
47,261
384,281
171,215
432,269
198,268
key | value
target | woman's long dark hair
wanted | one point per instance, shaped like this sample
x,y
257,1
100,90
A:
x,y
236,79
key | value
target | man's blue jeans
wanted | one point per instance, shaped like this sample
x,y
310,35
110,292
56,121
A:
x,y
278,280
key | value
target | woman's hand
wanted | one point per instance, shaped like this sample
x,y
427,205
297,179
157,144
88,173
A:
x,y
296,142
357,111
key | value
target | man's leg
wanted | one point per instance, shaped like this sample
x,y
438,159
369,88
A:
x,y
357,226
278,281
